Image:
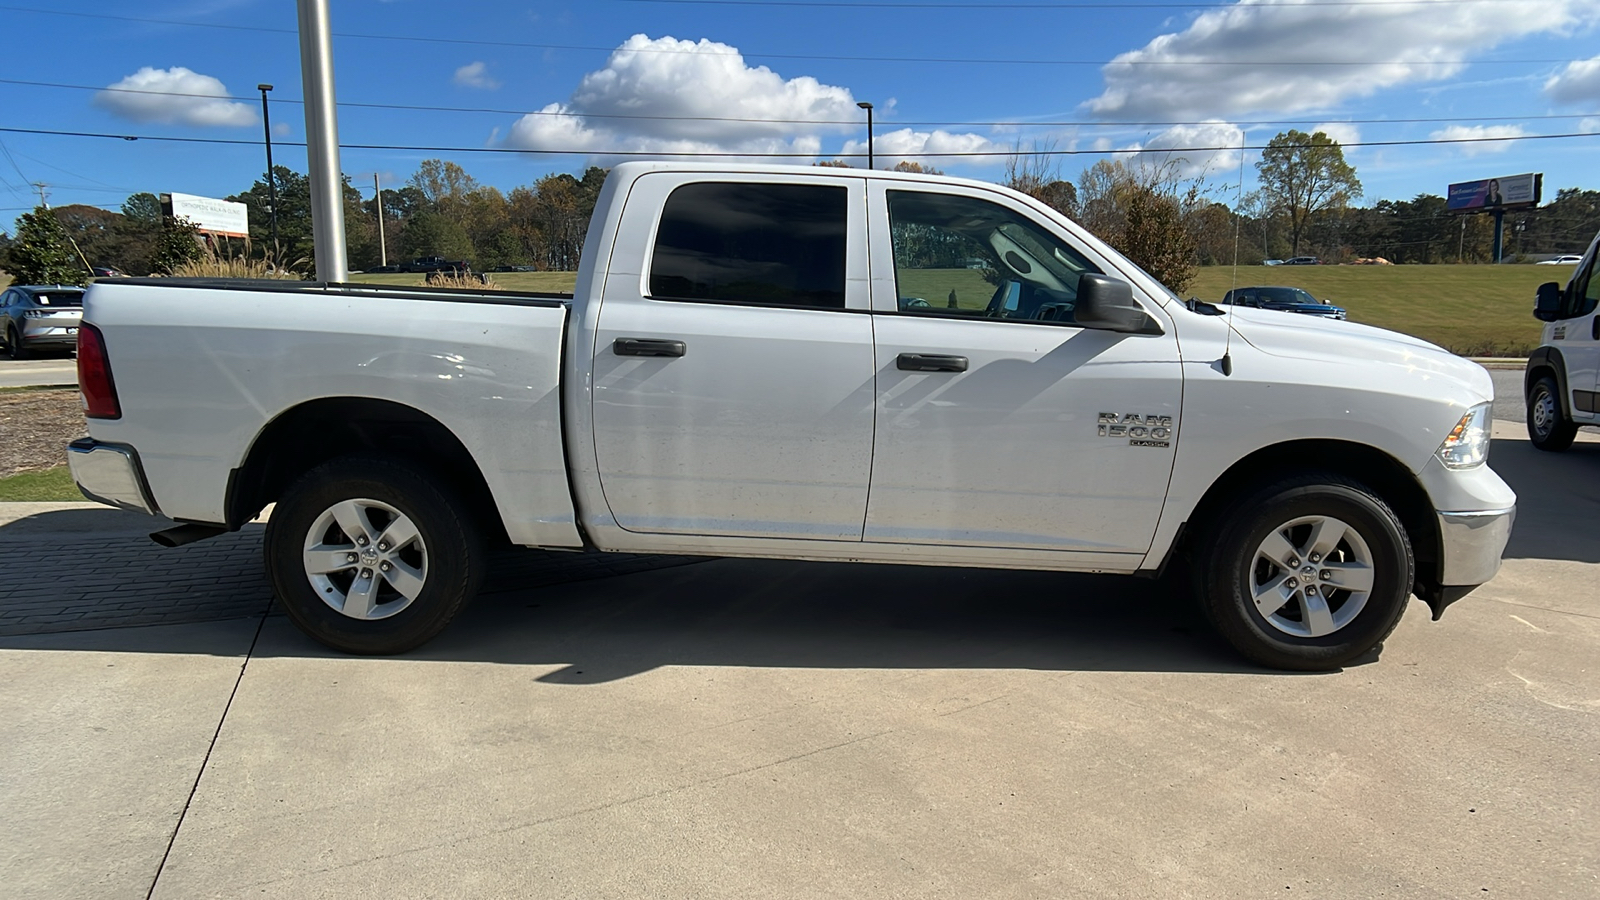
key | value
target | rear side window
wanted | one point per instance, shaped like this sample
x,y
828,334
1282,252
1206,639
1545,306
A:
x,y
751,243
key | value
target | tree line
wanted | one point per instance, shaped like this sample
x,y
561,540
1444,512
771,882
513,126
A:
x,y
1145,205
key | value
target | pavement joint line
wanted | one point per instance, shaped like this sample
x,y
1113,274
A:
x,y
1559,612
184,813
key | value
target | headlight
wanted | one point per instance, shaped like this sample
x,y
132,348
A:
x,y
1468,443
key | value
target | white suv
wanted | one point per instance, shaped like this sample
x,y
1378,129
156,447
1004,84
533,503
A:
x,y
1562,383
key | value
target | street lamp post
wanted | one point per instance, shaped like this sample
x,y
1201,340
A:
x,y
868,107
272,182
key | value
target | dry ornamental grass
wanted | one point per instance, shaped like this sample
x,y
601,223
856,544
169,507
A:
x,y
36,427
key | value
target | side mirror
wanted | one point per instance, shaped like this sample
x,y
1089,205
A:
x,y
1108,304
1547,302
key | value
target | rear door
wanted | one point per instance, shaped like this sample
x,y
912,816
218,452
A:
x,y
1000,422
733,369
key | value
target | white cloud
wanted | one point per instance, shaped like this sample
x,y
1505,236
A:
x,y
686,90
174,96
281,129
475,75
1589,126
1471,132
889,148
1343,132
1579,82
1207,69
1187,149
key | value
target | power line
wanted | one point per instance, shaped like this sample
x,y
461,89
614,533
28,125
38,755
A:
x,y
999,60
843,122
726,154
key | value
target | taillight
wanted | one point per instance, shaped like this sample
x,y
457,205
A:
x,y
94,376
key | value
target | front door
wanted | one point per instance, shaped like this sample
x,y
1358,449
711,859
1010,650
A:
x,y
1000,422
733,376
1580,343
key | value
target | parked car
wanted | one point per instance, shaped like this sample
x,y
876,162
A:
x,y
436,264
733,378
379,270
1272,262
1303,261
515,269
1566,260
1283,299
1562,379
40,317
105,272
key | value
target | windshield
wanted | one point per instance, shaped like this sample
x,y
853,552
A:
x,y
1287,295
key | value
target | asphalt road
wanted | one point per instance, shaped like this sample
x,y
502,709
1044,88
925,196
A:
x,y
52,370
744,728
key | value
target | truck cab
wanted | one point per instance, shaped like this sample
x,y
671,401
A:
x,y
1562,380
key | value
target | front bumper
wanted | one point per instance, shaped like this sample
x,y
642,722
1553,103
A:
x,y
1471,543
111,474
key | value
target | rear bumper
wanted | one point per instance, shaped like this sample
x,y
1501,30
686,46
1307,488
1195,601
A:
x,y
111,474
1471,544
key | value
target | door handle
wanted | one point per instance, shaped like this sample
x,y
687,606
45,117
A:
x,y
930,362
647,347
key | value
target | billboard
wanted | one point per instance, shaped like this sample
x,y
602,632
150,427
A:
x,y
1507,191
210,216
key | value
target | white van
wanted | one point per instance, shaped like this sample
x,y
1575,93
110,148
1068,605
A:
x,y
1562,383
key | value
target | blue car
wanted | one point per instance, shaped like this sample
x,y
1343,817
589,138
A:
x,y
1283,299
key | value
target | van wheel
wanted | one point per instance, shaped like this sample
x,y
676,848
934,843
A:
x,y
1547,428
370,556
1307,573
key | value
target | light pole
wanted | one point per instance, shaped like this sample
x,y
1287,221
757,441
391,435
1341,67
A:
x,y
868,107
272,183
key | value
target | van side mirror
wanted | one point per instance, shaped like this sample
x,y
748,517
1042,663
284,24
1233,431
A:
x,y
1108,304
1547,302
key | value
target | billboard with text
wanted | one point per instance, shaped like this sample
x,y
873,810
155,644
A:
x,y
221,217
1495,193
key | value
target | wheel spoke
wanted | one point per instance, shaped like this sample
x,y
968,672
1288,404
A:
x,y
1271,597
1325,536
399,533
405,579
352,520
361,597
322,559
1319,619
1277,549
1351,576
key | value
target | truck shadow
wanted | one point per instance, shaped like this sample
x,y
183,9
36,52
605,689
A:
x,y
1558,499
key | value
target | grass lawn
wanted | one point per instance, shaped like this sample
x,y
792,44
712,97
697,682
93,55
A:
x,y
42,486
1472,310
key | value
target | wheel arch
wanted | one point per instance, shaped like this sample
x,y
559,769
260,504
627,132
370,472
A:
x,y
316,431
1548,361
1389,478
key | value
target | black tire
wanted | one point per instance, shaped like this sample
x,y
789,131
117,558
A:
x,y
1548,429
1233,565
447,550
14,346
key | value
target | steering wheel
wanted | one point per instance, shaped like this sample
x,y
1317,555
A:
x,y
914,303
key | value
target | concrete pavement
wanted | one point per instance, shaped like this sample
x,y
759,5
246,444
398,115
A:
x,y
751,728
53,372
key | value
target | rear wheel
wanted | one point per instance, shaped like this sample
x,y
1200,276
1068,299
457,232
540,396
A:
x,y
369,555
1548,429
14,346
1307,573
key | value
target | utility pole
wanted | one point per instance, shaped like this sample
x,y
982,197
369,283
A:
x,y
272,180
383,251
322,141
40,186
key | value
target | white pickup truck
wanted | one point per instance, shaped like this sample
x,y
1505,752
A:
x,y
812,364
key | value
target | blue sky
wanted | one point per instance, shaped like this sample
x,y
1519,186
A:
x,y
962,77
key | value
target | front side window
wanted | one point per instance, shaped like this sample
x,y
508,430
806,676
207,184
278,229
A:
x,y
961,256
752,243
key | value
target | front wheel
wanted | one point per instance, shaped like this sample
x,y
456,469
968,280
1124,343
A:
x,y
368,555
1547,428
1307,573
